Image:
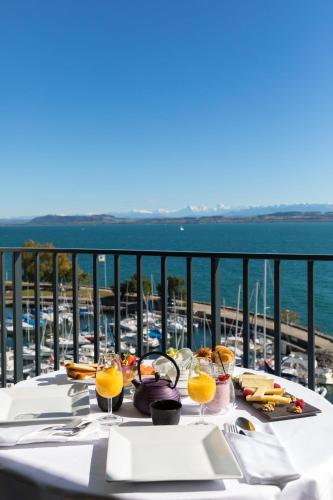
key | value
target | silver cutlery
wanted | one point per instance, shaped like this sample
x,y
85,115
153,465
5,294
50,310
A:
x,y
68,430
233,429
245,424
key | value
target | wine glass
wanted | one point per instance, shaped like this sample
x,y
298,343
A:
x,y
109,384
201,384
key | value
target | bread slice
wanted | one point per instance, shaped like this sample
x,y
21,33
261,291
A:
x,y
81,367
80,375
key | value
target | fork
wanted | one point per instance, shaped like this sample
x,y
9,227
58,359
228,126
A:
x,y
232,428
63,428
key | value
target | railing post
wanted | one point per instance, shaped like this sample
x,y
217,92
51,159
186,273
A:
x,y
76,314
215,300
117,311
17,317
96,306
277,319
189,302
164,302
139,305
3,331
55,287
37,314
246,332
311,328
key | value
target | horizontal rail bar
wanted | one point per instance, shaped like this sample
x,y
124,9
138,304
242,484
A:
x,y
172,253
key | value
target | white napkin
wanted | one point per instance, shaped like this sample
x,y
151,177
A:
x,y
262,457
27,434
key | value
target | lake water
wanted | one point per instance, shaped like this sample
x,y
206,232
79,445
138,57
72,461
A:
x,y
277,237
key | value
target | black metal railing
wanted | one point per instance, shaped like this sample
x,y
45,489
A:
x,y
215,259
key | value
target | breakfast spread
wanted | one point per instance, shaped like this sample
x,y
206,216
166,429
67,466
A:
x,y
258,389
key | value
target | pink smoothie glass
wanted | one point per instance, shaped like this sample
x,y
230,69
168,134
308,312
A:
x,y
224,398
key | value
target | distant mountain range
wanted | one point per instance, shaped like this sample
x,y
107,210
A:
x,y
203,211
190,214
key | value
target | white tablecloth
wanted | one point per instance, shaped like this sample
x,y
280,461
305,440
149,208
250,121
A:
x,y
81,467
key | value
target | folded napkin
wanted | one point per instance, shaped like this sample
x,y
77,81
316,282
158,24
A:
x,y
262,457
38,433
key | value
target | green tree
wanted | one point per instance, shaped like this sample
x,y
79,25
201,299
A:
x,y
130,285
46,265
176,287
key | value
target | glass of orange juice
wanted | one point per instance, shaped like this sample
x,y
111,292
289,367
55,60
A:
x,y
201,384
109,384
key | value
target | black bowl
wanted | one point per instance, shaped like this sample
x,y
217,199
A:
x,y
116,402
165,412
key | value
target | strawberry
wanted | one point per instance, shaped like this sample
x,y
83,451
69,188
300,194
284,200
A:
x,y
223,378
277,386
300,403
247,392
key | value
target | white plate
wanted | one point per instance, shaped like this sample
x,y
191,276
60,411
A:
x,y
41,404
169,453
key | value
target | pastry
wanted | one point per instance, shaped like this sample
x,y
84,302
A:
x,y
204,352
224,354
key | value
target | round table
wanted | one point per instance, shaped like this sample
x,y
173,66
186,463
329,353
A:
x,y
81,467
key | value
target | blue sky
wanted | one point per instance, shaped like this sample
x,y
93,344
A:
x,y
114,105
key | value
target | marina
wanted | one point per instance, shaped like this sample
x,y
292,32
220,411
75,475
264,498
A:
x,y
294,363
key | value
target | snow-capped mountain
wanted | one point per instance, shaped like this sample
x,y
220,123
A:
x,y
220,209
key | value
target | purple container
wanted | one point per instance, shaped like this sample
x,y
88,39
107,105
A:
x,y
151,389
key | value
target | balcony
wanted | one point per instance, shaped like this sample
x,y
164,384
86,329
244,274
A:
x,y
244,328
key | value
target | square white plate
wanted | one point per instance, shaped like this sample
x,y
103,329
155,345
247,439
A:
x,y
169,453
41,404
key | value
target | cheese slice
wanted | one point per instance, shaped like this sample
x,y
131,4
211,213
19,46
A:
x,y
257,382
280,391
268,399
244,376
261,396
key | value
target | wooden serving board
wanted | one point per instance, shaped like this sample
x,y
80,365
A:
x,y
280,412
